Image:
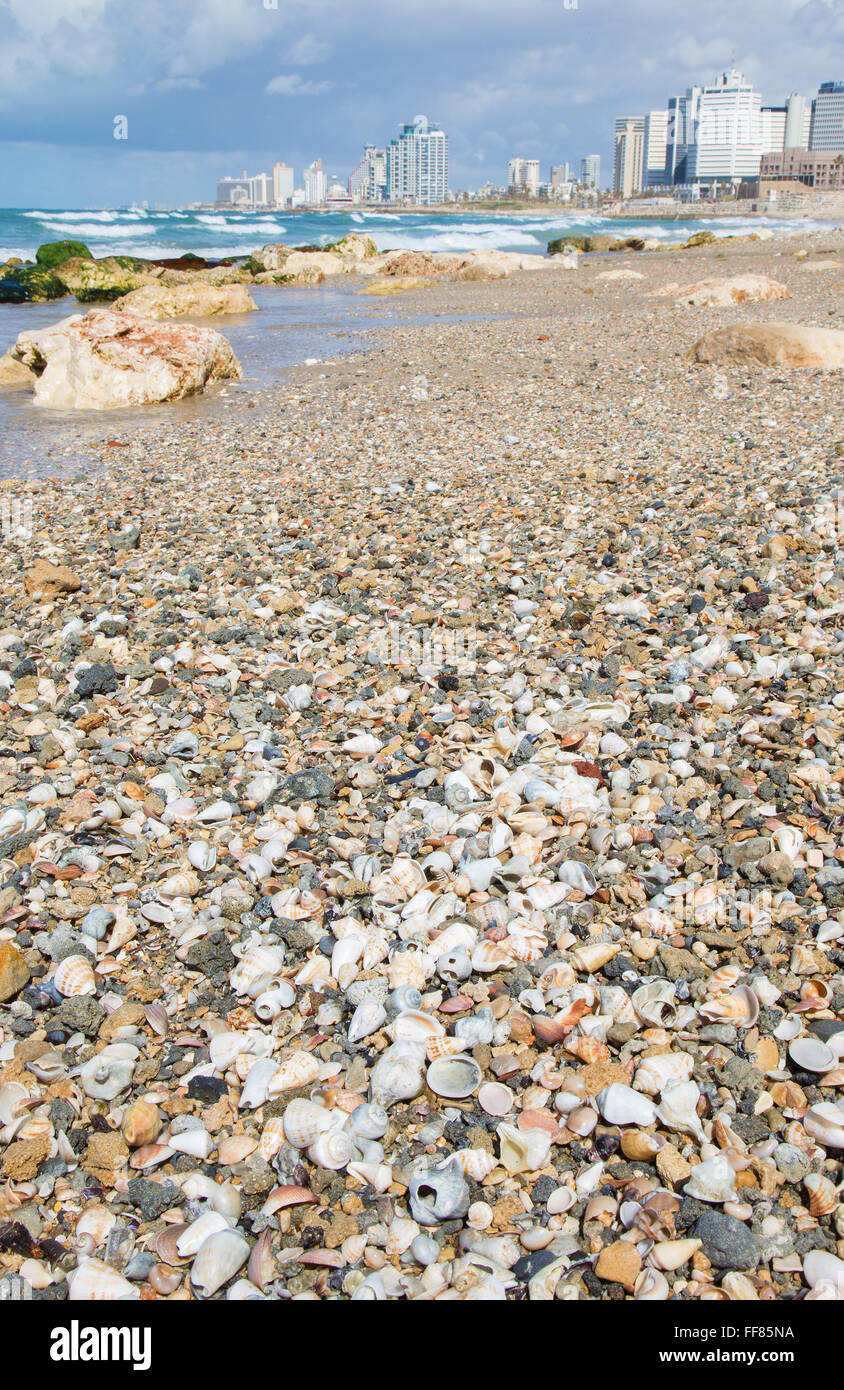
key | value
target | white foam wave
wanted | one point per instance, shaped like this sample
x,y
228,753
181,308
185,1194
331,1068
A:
x,y
98,232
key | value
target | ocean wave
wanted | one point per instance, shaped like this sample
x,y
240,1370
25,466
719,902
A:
x,y
98,232
500,239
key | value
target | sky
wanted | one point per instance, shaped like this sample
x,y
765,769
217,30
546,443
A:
x,y
213,87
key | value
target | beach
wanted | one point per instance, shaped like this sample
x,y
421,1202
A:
x,y
471,701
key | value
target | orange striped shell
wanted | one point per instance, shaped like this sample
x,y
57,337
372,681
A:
x,y
75,976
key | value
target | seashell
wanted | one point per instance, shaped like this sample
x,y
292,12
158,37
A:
x,y
141,1124
236,1148
299,1069
655,1004
218,1259
636,1144
304,1122
332,1149
216,814
523,1150
202,855
93,1281
109,1072
677,1109
579,876
261,1266
408,968
353,1247
588,1049
741,1007
480,1216
256,1089
787,839
495,1098
671,1254
582,1120
821,1267
395,1076
156,1017
251,972
621,1105
74,976
491,955
182,885
196,1141
712,1181
415,1026
476,1163
593,956
824,1122
651,1286
823,1194
150,1155
197,1231
274,1001
810,1054
367,1018
455,965
401,1234
438,1194
722,980
454,1078
97,1222
287,1196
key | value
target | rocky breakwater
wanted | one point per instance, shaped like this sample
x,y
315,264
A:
x,y
68,267
104,359
195,300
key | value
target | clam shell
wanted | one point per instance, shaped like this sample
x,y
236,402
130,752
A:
x,y
454,1078
810,1054
496,1098
74,976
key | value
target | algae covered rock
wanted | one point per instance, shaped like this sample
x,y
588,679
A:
x,y
54,253
29,285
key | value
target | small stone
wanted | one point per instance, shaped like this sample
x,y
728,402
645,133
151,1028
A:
x,y
727,1243
14,971
619,1263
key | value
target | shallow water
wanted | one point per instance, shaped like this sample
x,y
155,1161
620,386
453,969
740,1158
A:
x,y
290,326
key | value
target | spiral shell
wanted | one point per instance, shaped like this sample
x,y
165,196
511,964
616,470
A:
x,y
408,968
476,1163
299,1069
93,1281
254,968
182,885
74,976
416,1026
333,1149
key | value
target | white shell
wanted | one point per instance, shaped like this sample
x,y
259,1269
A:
x,y
219,1258
202,855
93,1281
523,1150
712,1181
810,1054
621,1105
454,1077
367,1018
677,1108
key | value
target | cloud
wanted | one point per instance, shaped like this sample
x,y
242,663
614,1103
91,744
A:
x,y
309,50
293,86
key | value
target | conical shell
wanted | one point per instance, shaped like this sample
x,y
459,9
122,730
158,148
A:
x,y
299,1069
272,1138
476,1163
304,1122
823,1195
218,1260
93,1281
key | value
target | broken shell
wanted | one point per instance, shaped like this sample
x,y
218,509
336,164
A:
x,y
677,1108
93,1281
621,1105
109,1072
438,1194
202,855
274,1001
523,1150
396,1076
655,1004
455,1078
712,1181
656,1072
825,1122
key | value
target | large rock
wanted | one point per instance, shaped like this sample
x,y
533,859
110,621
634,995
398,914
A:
x,y
105,359
54,253
48,580
771,345
397,285
497,265
14,376
354,247
737,289
416,263
31,284
193,300
307,277
102,281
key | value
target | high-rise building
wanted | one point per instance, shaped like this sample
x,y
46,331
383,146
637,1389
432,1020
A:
x,y
368,183
682,125
282,185
654,152
798,119
629,155
590,170
261,191
827,128
315,183
417,164
231,190
523,174
728,139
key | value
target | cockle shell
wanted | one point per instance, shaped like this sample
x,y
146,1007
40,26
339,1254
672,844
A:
x,y
823,1194
74,976
93,1281
299,1069
304,1122
454,1078
523,1150
218,1259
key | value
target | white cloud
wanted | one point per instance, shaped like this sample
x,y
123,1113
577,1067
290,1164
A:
x,y
293,86
308,50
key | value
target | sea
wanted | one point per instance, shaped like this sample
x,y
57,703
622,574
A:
x,y
291,326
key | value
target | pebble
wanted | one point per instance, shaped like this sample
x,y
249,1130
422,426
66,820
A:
x,y
351,706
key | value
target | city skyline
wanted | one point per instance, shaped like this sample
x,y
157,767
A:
x,y
222,85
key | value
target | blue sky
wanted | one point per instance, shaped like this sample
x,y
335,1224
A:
x,y
215,86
